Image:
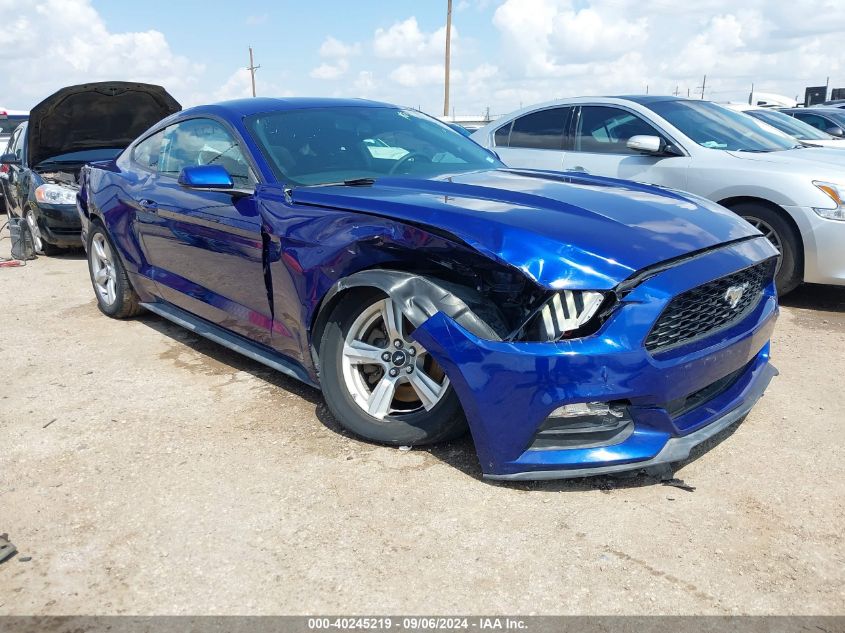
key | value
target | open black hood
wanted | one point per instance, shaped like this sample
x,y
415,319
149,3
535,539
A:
x,y
108,114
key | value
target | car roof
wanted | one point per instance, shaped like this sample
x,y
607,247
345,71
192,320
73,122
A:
x,y
257,105
816,109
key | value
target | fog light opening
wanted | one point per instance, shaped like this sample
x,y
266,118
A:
x,y
606,410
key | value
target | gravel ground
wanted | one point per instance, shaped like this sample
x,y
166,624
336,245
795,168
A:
x,y
145,470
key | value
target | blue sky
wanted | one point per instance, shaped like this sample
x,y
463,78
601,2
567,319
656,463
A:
x,y
507,53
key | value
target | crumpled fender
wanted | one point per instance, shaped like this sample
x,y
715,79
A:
x,y
418,297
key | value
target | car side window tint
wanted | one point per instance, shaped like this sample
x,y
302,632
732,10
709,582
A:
x,y
813,119
502,136
203,142
606,130
146,152
10,145
17,146
539,130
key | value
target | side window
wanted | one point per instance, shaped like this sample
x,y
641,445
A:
x,y
10,146
606,130
540,130
203,142
146,152
813,119
17,144
502,136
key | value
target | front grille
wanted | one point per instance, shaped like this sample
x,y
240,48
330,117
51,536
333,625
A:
x,y
709,307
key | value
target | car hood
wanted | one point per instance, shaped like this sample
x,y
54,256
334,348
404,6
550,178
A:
x,y
105,115
822,157
562,230
833,143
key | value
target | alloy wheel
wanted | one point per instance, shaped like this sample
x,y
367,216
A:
x,y
384,371
102,269
32,223
769,233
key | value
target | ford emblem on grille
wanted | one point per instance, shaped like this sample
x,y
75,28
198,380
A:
x,y
733,295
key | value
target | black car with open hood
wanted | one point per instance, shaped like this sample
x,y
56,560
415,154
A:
x,y
74,126
105,115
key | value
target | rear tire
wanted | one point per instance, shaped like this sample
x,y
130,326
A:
x,y
115,296
420,407
782,236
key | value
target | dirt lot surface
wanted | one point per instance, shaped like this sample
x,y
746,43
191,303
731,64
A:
x,y
145,470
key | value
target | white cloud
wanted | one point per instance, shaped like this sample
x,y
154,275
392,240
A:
x,y
560,48
332,71
405,40
412,75
333,48
54,43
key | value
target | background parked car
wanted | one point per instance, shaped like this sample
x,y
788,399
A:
x,y
9,120
792,193
72,127
827,119
795,128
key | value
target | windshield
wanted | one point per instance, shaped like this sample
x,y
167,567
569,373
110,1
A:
x,y
83,156
789,125
313,146
8,125
715,127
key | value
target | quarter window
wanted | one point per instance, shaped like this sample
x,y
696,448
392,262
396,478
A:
x,y
606,130
203,142
540,130
503,134
146,152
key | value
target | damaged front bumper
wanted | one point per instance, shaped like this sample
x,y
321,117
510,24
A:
x,y
672,401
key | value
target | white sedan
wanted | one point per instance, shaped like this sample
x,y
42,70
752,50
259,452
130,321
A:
x,y
794,194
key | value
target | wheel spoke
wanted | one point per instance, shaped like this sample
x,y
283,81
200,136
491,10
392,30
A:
x,y
100,276
361,353
392,315
99,252
381,398
428,390
110,290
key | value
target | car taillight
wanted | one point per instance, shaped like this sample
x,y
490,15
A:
x,y
4,169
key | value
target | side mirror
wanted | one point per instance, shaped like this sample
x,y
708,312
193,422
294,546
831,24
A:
x,y
835,130
9,159
206,177
646,144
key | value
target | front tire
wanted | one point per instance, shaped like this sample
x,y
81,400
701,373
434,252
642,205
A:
x,y
379,383
115,296
40,245
780,233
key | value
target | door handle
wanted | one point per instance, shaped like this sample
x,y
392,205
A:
x,y
579,168
148,205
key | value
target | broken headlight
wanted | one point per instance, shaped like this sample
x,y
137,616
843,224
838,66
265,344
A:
x,y
566,314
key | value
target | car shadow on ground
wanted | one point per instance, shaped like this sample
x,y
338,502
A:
x,y
816,297
458,454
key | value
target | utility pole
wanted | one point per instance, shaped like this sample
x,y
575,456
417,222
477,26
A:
x,y
826,86
703,86
677,90
252,68
448,56
751,95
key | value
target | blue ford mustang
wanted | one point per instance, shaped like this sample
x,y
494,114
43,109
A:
x,y
578,325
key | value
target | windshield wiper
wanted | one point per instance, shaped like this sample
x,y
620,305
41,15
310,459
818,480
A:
x,y
352,182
